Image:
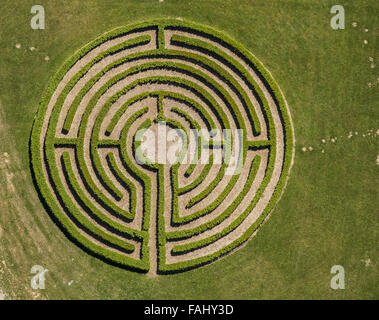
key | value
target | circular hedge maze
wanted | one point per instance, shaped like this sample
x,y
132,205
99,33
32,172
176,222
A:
x,y
217,118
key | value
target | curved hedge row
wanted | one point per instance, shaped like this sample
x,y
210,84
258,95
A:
x,y
193,126
114,233
288,135
176,67
206,241
138,41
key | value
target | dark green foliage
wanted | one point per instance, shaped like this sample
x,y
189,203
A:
x,y
70,218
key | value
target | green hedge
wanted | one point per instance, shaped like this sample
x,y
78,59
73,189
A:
x,y
71,216
138,41
288,133
165,79
206,241
193,126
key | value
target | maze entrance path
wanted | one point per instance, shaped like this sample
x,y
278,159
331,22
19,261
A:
x,y
161,217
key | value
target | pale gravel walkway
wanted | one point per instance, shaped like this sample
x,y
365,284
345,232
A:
x,y
149,102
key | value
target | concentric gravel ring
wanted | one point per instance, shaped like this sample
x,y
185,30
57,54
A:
x,y
159,218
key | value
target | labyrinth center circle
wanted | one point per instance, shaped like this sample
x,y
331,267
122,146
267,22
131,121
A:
x,y
161,146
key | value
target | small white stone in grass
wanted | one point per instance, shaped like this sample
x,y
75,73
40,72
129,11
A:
x,y
367,262
333,140
310,148
161,0
47,58
370,59
322,151
356,133
70,282
369,84
304,149
363,135
323,140
372,66
377,132
179,18
18,45
354,24
366,30
32,48
365,41
377,160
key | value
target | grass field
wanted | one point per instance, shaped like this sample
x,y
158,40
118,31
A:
x,y
328,214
